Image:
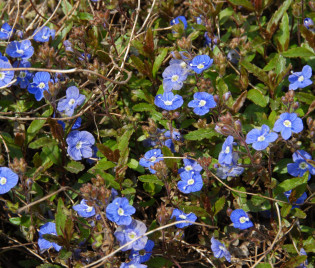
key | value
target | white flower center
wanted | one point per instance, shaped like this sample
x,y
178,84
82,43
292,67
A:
x,y
79,145
3,180
243,219
301,78
190,181
132,235
175,78
22,74
200,66
89,209
202,103
44,37
261,138
120,212
2,75
303,165
20,51
188,168
287,123
183,64
41,85
168,102
183,217
152,159
132,266
227,150
71,102
222,248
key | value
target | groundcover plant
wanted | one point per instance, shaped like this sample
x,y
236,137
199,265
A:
x,y
157,133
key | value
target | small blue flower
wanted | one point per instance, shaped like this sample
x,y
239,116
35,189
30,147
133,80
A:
x,y
201,63
190,182
43,34
202,103
22,50
199,20
226,155
80,144
168,101
133,263
127,233
304,264
3,58
208,40
190,165
169,142
240,219
5,76
301,79
150,158
173,77
309,24
234,56
288,123
298,201
300,165
143,255
179,19
84,210
119,211
260,138
73,100
39,84
84,57
48,228
229,171
68,46
181,216
219,250
24,77
6,31
8,180
76,124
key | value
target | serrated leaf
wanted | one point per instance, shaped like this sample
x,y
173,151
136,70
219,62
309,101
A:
x,y
257,97
283,35
298,52
123,141
74,167
200,134
151,179
291,184
255,70
219,205
61,217
44,141
307,98
158,61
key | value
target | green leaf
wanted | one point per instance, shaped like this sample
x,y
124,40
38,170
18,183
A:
x,y
52,152
283,35
219,205
74,167
221,86
257,97
298,52
285,210
200,134
244,3
291,184
143,107
66,7
199,211
15,220
159,262
158,61
259,73
123,141
129,191
61,217
64,254
298,213
151,179
281,166
104,165
44,141
85,16
307,98
264,265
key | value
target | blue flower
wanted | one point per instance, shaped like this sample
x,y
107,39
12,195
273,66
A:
x,y
202,103
226,155
169,142
301,79
48,228
240,219
133,263
84,57
84,210
173,77
5,76
119,211
127,233
181,216
168,101
22,50
229,171
208,40
199,20
68,46
24,77
143,255
219,250
260,138
234,56
6,31
288,123
309,24
179,19
8,179
73,99
80,144
3,58
150,158
300,165
201,63
43,34
304,264
190,165
39,84
298,201
190,182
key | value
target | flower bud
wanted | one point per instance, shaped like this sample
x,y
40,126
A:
x,y
238,125
216,99
226,96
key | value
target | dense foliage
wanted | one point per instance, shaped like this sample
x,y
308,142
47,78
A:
x,y
157,133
